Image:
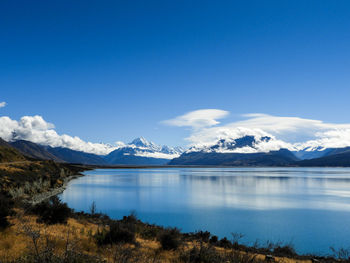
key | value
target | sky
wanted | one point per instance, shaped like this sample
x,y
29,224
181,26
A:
x,y
111,71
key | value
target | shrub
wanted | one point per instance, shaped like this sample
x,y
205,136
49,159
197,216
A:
x,y
213,240
5,209
117,233
202,254
202,235
286,250
52,211
225,243
170,239
130,219
149,232
205,253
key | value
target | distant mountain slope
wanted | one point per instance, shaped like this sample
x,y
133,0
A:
x,y
138,152
72,156
9,154
308,154
142,152
274,158
128,156
16,151
244,151
341,159
34,150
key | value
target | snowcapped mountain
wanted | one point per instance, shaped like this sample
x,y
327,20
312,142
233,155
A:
x,y
138,152
245,144
309,153
143,152
145,148
249,150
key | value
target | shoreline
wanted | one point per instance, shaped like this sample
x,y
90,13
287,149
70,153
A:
x,y
40,197
93,167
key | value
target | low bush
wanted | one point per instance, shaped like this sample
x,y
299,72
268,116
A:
x,y
130,219
5,210
225,243
116,234
286,251
202,254
149,232
213,240
170,239
202,236
205,253
52,211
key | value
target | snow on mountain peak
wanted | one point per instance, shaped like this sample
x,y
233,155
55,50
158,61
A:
x,y
140,142
244,144
143,147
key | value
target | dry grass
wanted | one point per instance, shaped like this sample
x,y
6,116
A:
x,y
12,168
14,242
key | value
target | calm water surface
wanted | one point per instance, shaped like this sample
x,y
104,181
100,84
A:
x,y
309,207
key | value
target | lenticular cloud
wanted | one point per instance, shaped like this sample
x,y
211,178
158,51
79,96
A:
x,y
37,130
198,119
293,133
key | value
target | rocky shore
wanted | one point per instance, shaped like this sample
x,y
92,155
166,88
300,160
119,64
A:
x,y
38,198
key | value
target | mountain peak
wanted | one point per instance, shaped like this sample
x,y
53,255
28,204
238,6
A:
x,y
244,144
140,142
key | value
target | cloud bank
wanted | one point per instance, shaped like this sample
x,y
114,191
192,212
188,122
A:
x,y
37,130
293,133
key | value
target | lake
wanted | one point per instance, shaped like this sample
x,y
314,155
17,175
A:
x,y
308,207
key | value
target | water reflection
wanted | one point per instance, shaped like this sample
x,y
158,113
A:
x,y
265,203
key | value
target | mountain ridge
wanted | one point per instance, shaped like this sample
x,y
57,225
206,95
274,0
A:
x,y
143,152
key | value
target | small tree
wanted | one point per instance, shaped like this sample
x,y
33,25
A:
x,y
93,208
236,237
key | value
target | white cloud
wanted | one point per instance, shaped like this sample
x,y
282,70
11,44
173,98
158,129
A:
x,y
157,155
119,144
299,131
286,125
37,130
337,138
205,138
286,132
198,119
2,104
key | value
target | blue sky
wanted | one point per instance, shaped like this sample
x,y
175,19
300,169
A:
x,y
114,70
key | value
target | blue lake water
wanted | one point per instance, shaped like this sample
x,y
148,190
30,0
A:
x,y
309,207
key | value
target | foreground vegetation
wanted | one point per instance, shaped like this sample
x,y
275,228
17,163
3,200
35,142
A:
x,y
50,231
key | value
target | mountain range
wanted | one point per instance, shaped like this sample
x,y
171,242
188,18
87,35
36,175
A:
x,y
244,151
138,152
142,152
236,152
